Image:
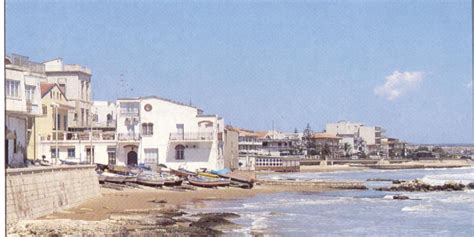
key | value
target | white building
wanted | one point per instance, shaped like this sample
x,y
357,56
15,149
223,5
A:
x,y
104,114
75,81
23,104
154,130
350,132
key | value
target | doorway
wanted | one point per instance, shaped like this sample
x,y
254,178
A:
x,y
132,158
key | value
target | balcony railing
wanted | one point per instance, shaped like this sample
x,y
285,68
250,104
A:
x,y
129,136
197,136
76,68
78,136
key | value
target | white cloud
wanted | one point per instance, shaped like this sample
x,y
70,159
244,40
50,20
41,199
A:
x,y
399,83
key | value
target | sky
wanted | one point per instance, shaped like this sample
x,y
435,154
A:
x,y
405,66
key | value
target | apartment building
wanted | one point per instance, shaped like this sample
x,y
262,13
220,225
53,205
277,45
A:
x,y
75,81
22,105
53,121
371,135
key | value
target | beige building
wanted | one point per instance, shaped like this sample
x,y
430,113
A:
x,y
53,122
75,81
371,135
22,105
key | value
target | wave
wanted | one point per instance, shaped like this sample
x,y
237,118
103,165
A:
x,y
418,208
440,179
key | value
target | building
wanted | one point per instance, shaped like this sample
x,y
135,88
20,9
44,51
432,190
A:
x,y
249,141
350,132
22,106
276,143
53,121
231,148
393,148
327,145
152,130
75,81
104,115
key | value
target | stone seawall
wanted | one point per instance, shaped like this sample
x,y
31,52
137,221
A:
x,y
317,184
39,191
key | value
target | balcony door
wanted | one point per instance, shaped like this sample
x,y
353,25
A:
x,y
132,158
180,130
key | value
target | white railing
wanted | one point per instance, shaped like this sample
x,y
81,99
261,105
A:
x,y
194,136
129,136
78,136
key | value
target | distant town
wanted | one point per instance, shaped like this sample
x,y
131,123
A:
x,y
51,117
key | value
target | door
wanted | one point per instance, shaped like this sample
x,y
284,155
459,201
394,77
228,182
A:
x,y
132,158
6,152
180,130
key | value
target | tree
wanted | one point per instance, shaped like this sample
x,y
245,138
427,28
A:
x,y
326,151
308,141
347,149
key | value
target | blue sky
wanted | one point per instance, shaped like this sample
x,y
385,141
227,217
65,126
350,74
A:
x,y
404,66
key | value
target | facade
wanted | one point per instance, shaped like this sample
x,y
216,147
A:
x,y
53,122
231,148
22,105
393,148
327,146
75,81
371,136
279,144
277,163
104,115
153,130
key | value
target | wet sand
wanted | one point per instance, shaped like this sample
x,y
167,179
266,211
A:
x,y
130,200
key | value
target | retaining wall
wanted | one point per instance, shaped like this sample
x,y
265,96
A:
x,y
317,184
39,191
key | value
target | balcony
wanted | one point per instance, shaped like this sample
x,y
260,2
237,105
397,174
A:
x,y
197,136
71,137
129,136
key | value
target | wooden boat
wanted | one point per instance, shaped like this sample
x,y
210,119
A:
x,y
237,178
101,178
45,163
208,175
208,183
148,180
124,170
114,178
183,173
173,182
131,179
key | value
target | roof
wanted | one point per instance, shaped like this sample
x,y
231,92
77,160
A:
x,y
325,135
46,87
159,98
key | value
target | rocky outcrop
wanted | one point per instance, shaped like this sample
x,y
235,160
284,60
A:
x,y
419,186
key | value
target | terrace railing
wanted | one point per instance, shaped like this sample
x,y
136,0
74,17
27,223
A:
x,y
191,136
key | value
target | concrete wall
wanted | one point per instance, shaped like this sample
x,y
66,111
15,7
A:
x,y
39,191
16,138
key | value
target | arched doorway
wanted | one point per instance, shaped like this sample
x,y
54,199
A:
x,y
132,158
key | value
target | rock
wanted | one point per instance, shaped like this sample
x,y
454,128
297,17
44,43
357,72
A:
x,y
401,197
158,201
218,215
470,186
210,222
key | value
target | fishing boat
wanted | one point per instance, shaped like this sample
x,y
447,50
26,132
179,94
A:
x,y
208,175
183,173
114,178
237,178
131,178
123,170
208,183
45,163
101,177
149,180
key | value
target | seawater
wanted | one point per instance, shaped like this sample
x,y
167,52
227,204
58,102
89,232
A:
x,y
357,213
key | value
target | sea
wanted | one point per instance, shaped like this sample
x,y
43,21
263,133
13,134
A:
x,y
356,212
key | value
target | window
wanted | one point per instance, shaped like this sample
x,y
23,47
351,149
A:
x,y
75,116
53,153
179,152
30,92
111,151
45,109
12,88
59,121
147,129
14,146
151,156
71,152
65,123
